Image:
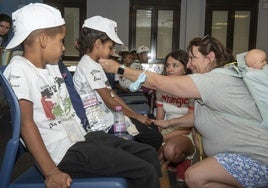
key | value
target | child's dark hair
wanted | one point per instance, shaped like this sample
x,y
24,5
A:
x,y
88,37
8,19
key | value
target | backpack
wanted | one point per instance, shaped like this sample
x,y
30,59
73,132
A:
x,y
255,80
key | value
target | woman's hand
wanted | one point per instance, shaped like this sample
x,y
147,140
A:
x,y
109,65
161,123
58,179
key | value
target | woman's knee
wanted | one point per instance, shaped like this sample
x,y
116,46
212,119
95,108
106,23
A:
x,y
193,177
174,152
169,151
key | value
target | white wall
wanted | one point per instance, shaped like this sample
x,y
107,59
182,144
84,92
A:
x,y
192,21
262,29
117,10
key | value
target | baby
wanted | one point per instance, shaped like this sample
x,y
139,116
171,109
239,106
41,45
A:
x,y
256,59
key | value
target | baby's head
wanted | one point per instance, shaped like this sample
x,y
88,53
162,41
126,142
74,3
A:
x,y
256,59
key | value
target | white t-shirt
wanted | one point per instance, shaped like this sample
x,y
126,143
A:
x,y
90,71
174,107
46,89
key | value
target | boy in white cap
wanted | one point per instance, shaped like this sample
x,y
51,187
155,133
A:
x,y
123,83
50,127
142,57
95,42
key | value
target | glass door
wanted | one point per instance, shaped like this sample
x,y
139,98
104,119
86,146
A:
x,y
155,26
234,23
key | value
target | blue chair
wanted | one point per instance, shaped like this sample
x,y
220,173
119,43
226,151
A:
x,y
140,108
137,102
134,99
32,178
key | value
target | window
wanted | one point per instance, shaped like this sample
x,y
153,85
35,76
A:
x,y
234,23
155,24
74,13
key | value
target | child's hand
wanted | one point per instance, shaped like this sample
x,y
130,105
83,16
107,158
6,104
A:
x,y
58,179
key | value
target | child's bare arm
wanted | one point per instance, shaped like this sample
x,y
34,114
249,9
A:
x,y
113,100
36,146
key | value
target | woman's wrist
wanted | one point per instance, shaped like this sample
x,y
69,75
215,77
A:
x,y
121,69
168,124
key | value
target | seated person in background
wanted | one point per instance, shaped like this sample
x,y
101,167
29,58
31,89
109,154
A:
x,y
173,111
5,25
126,60
142,57
256,59
50,127
96,41
134,54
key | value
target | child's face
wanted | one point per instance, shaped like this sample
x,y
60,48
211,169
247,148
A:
x,y
174,67
55,48
127,59
144,57
106,49
4,28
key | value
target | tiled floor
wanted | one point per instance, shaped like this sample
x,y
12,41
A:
x,y
168,179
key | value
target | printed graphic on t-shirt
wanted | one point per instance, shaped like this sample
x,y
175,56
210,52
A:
x,y
54,100
95,74
177,101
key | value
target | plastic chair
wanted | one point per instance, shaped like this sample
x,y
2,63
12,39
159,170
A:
x,y
137,102
140,108
13,142
32,178
134,98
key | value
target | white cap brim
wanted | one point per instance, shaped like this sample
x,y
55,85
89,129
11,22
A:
x,y
17,40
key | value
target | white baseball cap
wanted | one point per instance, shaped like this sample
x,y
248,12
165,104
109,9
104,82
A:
x,y
133,50
124,49
32,17
143,49
105,25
